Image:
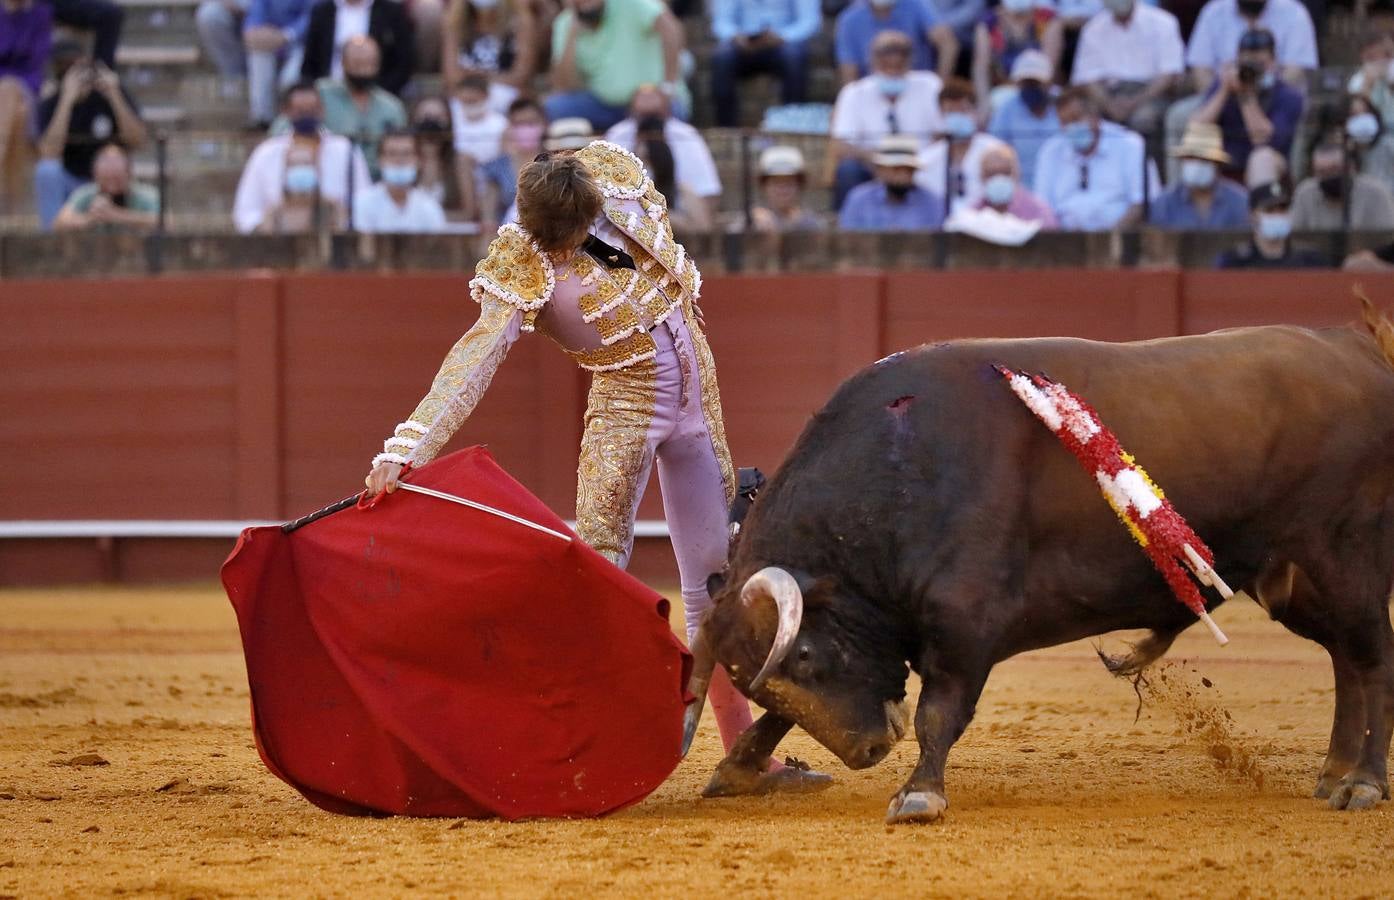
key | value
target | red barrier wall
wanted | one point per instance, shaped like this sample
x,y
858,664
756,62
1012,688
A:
x,y
265,395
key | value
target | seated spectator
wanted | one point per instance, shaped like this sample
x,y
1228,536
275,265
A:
x,y
1203,201
893,202
498,180
651,110
1370,140
355,106
686,211
26,35
219,26
1271,246
1074,15
1013,28
781,180
395,205
1223,22
1257,111
325,164
273,34
112,201
1004,192
90,108
1337,198
102,18
1375,76
1091,173
758,37
303,207
1027,119
891,100
604,50
478,136
504,39
952,165
435,142
932,45
1132,58
333,23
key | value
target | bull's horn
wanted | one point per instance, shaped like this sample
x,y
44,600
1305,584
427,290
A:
x,y
703,664
778,585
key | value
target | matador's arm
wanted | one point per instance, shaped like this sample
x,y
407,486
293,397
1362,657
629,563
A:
x,y
458,386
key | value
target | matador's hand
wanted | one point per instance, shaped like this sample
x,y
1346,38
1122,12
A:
x,y
383,478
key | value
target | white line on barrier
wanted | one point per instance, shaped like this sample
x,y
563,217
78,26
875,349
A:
x,y
16,529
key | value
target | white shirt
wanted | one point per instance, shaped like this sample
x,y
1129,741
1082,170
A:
x,y
862,114
693,166
480,138
1091,193
260,189
375,211
1145,47
967,187
350,21
1215,39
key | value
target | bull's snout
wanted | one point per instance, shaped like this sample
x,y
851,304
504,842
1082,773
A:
x,y
869,754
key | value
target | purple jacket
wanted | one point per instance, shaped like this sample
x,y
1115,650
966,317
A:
x,y
25,39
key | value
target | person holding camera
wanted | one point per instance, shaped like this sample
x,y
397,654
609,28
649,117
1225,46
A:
x,y
761,37
1258,113
113,201
90,108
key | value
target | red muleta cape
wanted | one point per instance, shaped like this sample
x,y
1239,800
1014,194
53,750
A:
x,y
422,658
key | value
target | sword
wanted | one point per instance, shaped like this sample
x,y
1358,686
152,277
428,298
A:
x,y
357,500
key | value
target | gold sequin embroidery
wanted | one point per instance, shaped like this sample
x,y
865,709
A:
x,y
615,458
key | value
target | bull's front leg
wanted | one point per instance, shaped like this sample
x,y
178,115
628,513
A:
x,y
746,769
948,698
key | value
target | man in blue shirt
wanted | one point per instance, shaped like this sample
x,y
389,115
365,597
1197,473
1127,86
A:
x,y
1027,119
1203,201
1255,109
892,202
757,37
858,25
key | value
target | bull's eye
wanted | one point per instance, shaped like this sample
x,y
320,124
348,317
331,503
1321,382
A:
x,y
804,654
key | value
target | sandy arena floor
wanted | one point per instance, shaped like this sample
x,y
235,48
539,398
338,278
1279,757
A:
x,y
1055,790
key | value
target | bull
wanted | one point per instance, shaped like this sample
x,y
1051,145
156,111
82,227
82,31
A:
x,y
925,520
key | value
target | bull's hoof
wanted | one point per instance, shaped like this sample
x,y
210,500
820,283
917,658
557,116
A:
x,y
915,807
731,781
1356,795
1326,786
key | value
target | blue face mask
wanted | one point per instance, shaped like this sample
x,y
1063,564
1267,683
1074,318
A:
x,y
1362,128
1080,135
959,125
998,190
1274,226
891,85
302,179
399,176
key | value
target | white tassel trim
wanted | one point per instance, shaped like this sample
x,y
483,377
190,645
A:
x,y
615,191
409,425
480,283
620,299
397,458
620,335
409,443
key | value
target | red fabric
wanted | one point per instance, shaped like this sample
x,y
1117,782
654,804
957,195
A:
x,y
423,658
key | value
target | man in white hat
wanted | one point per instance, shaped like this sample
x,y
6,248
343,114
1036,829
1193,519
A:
x,y
1201,200
893,202
1027,120
782,178
570,134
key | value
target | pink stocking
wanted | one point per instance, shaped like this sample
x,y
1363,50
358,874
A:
x,y
732,711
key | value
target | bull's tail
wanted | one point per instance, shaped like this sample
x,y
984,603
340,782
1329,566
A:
x,y
1378,324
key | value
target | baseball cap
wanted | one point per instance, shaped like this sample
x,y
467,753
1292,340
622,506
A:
x,y
1268,196
1034,65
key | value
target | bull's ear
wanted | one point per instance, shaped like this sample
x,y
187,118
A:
x,y
716,582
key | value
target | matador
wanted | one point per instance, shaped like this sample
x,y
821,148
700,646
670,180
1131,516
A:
x,y
593,265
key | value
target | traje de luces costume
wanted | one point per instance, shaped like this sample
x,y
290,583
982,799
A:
x,y
653,396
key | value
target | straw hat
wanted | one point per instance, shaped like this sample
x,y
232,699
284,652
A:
x,y
897,150
1202,140
569,134
781,160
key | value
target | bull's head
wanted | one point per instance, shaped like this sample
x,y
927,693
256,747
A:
x,y
805,652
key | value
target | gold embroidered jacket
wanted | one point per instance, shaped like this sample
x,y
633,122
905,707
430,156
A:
x,y
601,317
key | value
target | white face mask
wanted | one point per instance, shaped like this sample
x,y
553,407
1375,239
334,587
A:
x,y
998,190
1274,226
1198,173
1362,128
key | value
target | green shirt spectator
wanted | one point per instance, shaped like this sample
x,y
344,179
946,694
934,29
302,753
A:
x,y
112,201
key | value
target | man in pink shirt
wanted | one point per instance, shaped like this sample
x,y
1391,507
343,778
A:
x,y
1004,192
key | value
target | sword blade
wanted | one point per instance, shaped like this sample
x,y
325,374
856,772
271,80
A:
x,y
441,495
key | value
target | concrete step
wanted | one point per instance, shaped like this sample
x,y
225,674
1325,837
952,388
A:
x,y
149,56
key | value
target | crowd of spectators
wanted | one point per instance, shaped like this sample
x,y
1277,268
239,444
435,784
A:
x,y
1081,115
